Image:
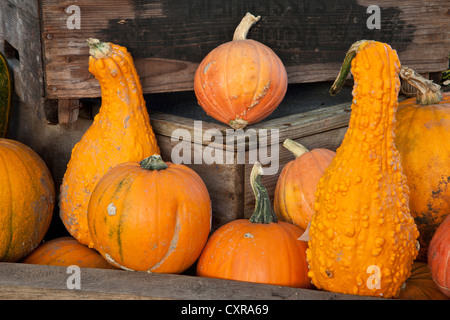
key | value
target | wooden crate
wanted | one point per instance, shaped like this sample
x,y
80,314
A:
x,y
229,184
168,39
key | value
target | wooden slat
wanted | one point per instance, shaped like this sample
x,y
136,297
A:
x,y
23,281
21,30
169,38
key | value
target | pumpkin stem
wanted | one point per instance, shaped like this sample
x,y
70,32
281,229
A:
x,y
154,162
296,148
263,208
246,23
427,91
346,66
99,49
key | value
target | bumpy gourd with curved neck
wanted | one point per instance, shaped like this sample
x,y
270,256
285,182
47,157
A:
x,y
362,236
121,132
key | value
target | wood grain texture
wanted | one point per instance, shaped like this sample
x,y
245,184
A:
x,y
24,281
169,38
20,40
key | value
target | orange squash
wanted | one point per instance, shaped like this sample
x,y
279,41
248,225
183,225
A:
x,y
420,285
260,250
67,251
242,81
150,216
362,235
439,257
294,193
27,199
422,137
121,132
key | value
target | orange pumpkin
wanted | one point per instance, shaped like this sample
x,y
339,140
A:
x,y
422,137
150,216
260,250
242,81
439,257
121,132
67,251
294,193
420,285
27,198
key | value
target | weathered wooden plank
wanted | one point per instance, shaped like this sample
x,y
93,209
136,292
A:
x,y
24,281
169,38
21,41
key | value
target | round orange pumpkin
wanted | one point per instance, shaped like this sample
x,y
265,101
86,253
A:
x,y
242,81
439,257
27,198
67,251
422,137
420,285
150,216
260,250
294,193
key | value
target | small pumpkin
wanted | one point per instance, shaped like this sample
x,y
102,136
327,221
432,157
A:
x,y
260,250
362,236
294,193
242,81
121,132
422,137
420,285
27,199
150,216
439,257
67,251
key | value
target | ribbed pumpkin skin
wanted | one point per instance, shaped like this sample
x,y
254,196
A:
x,y
420,285
27,198
156,221
67,251
439,257
423,140
361,218
255,252
241,79
121,132
294,193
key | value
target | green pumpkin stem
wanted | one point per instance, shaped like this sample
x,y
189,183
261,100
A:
x,y
428,92
263,208
154,162
346,66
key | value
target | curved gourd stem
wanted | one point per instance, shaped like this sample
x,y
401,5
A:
x,y
427,91
154,162
346,66
296,148
263,208
244,26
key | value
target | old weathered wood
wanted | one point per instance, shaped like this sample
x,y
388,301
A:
x,y
21,39
169,38
24,281
68,110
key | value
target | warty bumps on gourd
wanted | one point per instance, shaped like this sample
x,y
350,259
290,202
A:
x,y
121,132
